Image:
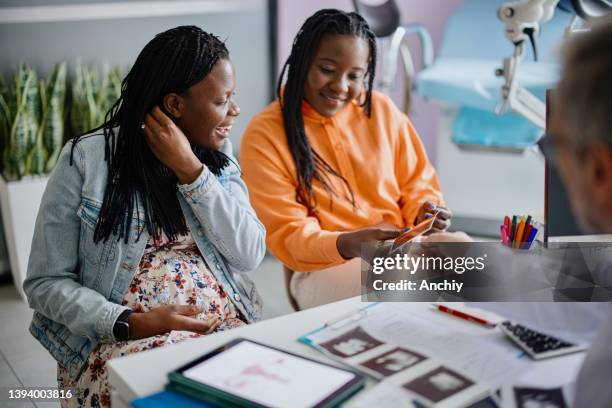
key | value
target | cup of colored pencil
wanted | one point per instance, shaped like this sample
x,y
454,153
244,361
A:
x,y
518,232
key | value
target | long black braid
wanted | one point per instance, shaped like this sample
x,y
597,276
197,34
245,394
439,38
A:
x,y
309,164
173,61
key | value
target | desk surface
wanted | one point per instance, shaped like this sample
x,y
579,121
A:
x,y
144,373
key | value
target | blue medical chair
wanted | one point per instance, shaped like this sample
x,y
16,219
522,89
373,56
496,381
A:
x,y
463,75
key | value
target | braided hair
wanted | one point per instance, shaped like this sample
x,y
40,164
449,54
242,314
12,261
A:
x,y
171,62
309,164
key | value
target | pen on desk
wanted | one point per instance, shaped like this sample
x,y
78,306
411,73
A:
x,y
464,316
346,319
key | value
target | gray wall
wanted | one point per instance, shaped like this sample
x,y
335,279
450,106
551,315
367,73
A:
x,y
119,42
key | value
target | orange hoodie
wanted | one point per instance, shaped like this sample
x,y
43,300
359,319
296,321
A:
x,y
381,157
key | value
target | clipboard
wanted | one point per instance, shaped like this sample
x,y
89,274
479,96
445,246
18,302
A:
x,y
206,380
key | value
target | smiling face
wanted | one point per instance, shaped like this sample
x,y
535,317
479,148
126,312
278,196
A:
x,y
206,111
336,74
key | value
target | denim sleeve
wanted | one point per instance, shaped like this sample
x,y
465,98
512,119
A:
x,y
52,284
227,217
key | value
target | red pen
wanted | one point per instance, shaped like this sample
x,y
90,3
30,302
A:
x,y
464,316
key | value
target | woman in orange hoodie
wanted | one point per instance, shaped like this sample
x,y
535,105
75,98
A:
x,y
331,164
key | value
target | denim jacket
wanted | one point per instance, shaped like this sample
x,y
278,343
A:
x,y
76,287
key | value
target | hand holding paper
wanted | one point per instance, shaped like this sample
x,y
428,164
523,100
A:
x,y
440,214
411,233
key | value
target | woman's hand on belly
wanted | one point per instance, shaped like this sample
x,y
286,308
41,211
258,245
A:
x,y
166,318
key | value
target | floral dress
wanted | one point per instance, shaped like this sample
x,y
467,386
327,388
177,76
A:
x,y
170,272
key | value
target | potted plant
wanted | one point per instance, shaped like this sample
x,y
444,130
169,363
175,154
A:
x,y
92,96
31,133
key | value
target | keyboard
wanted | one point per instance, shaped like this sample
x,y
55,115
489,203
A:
x,y
538,345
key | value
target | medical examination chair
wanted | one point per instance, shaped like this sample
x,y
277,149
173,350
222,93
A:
x,y
487,164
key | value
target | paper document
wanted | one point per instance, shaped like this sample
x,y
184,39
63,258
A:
x,y
388,395
395,332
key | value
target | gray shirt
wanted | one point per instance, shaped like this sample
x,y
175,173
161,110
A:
x,y
594,384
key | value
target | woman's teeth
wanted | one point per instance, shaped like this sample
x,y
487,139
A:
x,y
334,99
224,130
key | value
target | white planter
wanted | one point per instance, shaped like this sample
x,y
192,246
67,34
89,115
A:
x,y
19,201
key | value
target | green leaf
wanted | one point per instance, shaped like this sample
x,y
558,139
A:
x,y
17,149
93,95
52,125
25,122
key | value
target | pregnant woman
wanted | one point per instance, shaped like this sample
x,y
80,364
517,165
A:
x,y
145,231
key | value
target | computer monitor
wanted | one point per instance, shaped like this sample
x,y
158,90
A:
x,y
560,222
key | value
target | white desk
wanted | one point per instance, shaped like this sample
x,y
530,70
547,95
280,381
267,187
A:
x,y
144,373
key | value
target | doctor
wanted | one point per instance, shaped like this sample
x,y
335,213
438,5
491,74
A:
x,y
579,143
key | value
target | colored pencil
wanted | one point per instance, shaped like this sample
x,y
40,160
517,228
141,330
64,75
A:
x,y
531,238
504,234
528,229
519,233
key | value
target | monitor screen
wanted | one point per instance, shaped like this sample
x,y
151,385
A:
x,y
560,222
559,219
